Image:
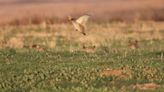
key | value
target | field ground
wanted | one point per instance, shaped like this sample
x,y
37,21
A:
x,y
44,58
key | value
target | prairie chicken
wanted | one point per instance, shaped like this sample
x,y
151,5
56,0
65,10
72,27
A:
x,y
133,45
89,49
80,23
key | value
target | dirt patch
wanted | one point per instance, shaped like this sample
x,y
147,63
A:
x,y
146,86
122,73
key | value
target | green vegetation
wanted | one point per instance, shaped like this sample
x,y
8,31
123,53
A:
x,y
52,70
61,70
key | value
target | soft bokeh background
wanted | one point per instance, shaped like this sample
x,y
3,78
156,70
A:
x,y
23,11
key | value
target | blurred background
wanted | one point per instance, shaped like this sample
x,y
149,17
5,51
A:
x,y
55,11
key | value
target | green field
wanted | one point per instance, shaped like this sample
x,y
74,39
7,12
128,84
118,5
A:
x,y
60,64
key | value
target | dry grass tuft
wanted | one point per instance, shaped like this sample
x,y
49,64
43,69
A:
x,y
15,43
92,40
97,35
52,44
2,44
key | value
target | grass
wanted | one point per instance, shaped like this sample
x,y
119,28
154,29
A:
x,y
113,66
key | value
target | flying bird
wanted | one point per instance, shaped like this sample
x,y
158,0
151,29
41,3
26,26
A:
x,y
80,23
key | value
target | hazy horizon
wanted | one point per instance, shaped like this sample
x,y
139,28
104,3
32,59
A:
x,y
100,9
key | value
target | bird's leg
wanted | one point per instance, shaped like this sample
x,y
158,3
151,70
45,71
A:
x,y
83,33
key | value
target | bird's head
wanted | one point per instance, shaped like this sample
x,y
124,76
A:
x,y
71,18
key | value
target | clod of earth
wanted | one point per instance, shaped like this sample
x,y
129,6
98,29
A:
x,y
146,86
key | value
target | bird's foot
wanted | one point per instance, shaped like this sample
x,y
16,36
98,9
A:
x,y
84,33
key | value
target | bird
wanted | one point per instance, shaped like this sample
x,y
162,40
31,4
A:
x,y
133,45
80,23
89,49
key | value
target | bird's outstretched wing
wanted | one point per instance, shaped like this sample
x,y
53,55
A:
x,y
83,19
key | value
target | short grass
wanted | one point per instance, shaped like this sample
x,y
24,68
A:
x,y
68,68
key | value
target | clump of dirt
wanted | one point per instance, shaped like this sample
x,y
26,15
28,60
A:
x,y
146,86
122,73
